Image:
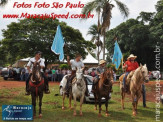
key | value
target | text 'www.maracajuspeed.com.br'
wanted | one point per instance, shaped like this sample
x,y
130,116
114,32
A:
x,y
45,16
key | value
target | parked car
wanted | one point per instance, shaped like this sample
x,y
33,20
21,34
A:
x,y
87,99
8,73
154,75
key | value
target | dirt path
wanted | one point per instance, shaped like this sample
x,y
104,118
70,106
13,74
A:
x,y
150,94
16,84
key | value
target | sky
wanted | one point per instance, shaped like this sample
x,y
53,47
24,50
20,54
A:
x,y
135,7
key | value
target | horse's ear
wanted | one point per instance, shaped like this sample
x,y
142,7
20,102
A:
x,y
141,65
145,65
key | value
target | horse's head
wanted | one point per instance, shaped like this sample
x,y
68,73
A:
x,y
36,73
79,74
144,72
109,72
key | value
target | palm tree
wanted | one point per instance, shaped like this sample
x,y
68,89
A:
x,y
93,31
3,2
104,10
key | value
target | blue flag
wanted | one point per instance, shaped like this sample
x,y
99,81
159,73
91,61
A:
x,y
117,57
58,44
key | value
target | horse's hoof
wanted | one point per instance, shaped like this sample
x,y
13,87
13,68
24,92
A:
x,y
99,115
40,115
74,114
107,114
81,114
134,113
95,108
70,108
63,108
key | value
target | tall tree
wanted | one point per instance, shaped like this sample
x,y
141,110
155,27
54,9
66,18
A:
x,y
93,31
104,10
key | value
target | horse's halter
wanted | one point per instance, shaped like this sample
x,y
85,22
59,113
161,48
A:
x,y
145,76
36,72
108,76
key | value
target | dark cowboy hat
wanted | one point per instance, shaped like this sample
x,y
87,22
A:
x,y
38,52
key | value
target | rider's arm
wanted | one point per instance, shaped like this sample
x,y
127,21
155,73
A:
x,y
42,64
68,60
28,66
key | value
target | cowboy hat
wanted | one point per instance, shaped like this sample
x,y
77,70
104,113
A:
x,y
132,56
102,62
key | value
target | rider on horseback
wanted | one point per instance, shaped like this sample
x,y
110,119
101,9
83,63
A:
x,y
100,70
77,63
129,65
37,58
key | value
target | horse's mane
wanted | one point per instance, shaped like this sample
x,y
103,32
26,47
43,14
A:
x,y
103,77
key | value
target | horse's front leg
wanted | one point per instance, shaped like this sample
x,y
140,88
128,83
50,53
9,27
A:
x,y
74,105
133,105
70,98
99,100
81,102
122,98
63,98
40,104
95,101
106,105
34,104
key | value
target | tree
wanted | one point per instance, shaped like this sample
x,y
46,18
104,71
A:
x,y
93,31
104,10
22,39
3,3
139,36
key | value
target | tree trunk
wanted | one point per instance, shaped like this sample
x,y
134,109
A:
x,y
104,47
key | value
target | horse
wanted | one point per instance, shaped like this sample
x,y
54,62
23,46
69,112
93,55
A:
x,y
64,82
36,87
78,90
103,89
135,80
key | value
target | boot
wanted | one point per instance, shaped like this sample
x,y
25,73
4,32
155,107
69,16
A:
x,y
27,91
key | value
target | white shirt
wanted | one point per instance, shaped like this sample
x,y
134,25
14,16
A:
x,y
33,60
75,64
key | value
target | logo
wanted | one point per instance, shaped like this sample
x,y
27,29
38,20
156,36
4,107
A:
x,y
17,112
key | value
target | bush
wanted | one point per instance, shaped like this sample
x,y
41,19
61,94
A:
x,y
64,66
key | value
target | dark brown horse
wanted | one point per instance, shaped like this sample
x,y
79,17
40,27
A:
x,y
103,89
36,87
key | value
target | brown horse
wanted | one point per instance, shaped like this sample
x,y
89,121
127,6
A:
x,y
36,87
103,88
135,80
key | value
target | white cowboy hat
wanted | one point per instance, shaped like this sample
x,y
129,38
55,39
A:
x,y
132,56
102,62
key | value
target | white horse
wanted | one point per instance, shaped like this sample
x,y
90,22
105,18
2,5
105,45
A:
x,y
78,89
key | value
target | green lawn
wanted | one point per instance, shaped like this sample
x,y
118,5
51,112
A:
x,y
52,111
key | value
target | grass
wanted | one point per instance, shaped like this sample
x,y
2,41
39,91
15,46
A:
x,y
52,111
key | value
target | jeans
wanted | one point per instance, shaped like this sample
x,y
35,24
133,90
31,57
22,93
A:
x,y
124,84
144,95
53,77
26,76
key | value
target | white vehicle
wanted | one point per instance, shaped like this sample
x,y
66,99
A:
x,y
155,74
89,98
